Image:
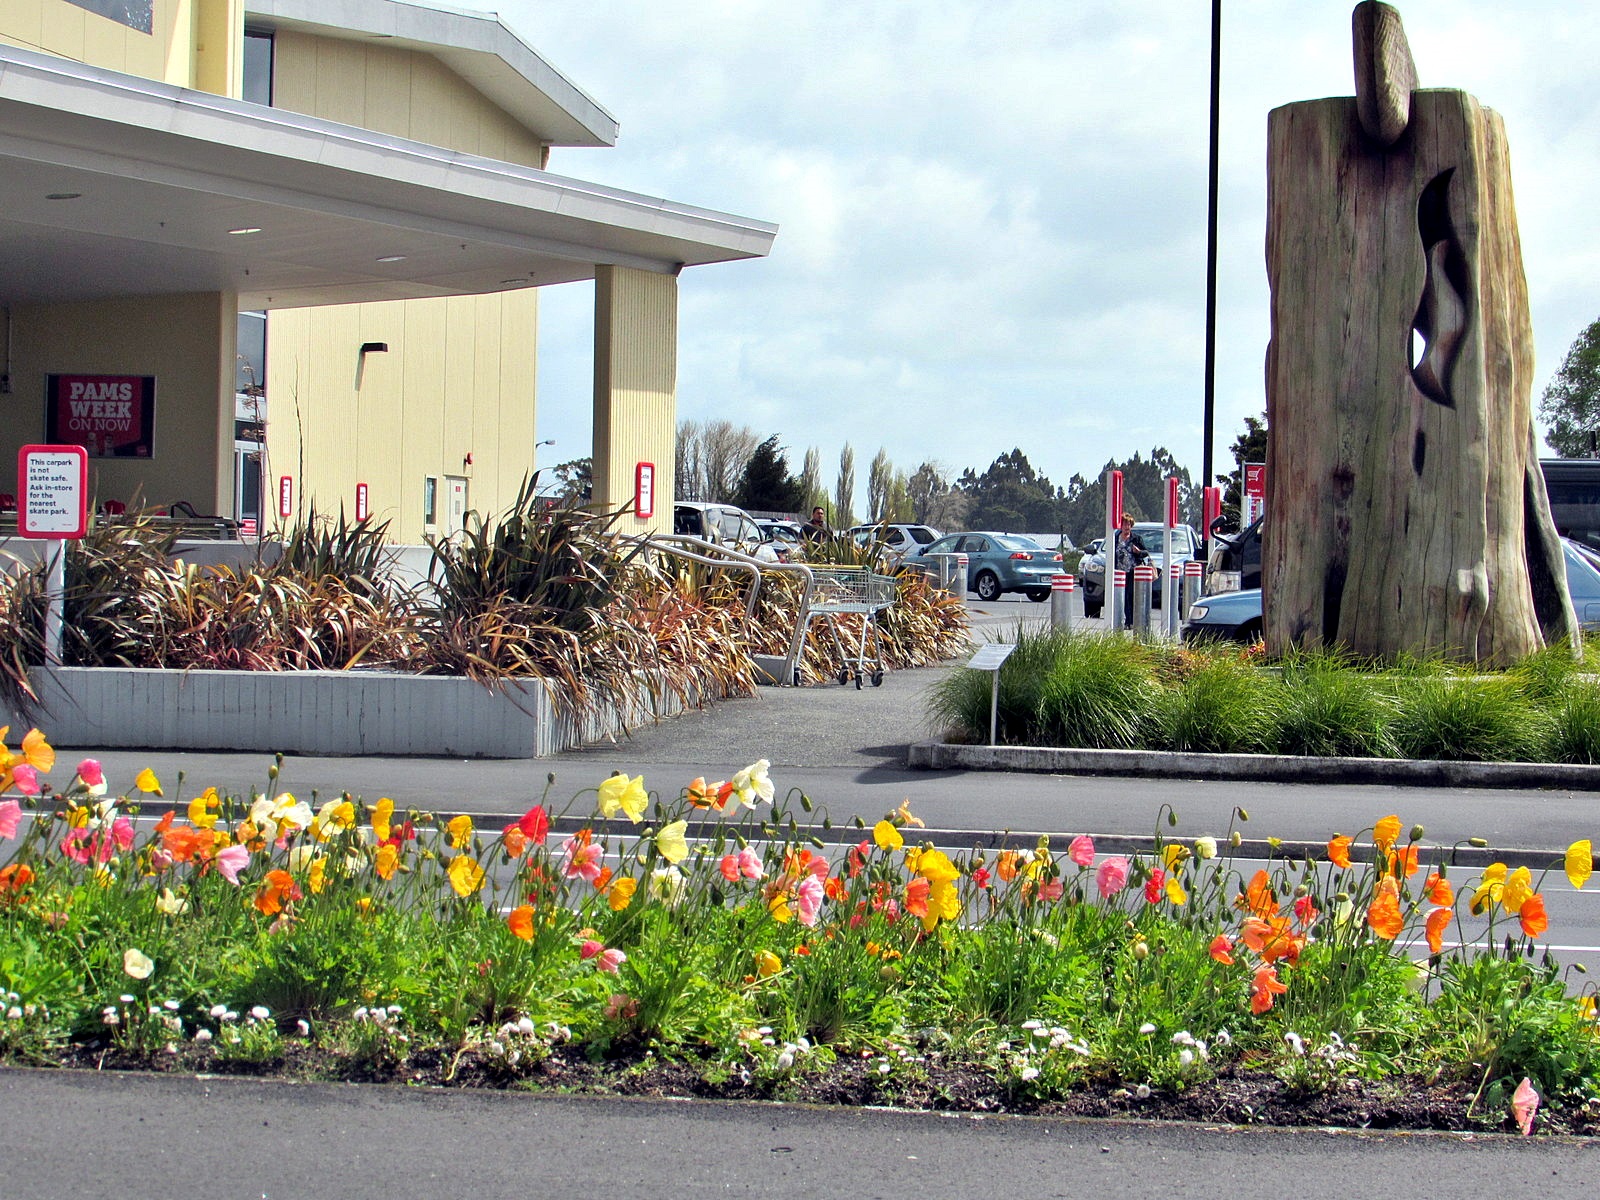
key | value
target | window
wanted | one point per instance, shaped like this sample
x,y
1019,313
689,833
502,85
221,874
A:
x,y
430,501
250,363
258,67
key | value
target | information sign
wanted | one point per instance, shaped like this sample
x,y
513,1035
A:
x,y
52,492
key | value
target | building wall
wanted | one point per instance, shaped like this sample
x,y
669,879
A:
x,y
458,377
186,342
192,43
635,390
457,380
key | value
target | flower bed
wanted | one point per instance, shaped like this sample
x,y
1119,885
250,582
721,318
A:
x,y
703,943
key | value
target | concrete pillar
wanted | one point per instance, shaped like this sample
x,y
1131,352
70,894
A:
x,y
635,391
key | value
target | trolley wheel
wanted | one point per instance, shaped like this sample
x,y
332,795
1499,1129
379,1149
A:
x,y
797,677
844,676
858,681
877,679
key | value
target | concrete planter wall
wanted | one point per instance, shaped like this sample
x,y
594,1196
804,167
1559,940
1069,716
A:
x,y
315,712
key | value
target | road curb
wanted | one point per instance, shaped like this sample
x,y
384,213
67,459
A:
x,y
1268,768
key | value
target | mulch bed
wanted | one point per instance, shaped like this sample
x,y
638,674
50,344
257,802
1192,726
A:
x,y
938,1084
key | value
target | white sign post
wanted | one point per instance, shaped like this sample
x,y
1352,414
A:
x,y
53,504
990,658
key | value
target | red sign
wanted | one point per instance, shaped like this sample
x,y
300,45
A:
x,y
110,416
1211,506
52,492
285,496
644,489
1172,500
1114,498
361,502
1255,480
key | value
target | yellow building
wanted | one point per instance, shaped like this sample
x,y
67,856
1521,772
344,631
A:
x,y
259,253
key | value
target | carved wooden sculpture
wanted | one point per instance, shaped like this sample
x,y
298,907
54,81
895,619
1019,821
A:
x,y
1406,510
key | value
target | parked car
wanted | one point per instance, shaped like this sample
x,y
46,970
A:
x,y
784,535
898,540
1235,560
1092,567
1236,616
726,525
996,563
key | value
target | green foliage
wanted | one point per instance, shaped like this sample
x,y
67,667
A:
x,y
766,485
1570,406
1326,708
1575,723
1224,707
1469,719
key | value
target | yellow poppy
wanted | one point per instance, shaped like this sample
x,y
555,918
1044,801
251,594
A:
x,y
768,964
671,842
466,876
620,894
886,836
1579,864
1175,893
1518,888
1490,888
1386,833
460,831
387,861
621,794
147,782
381,813
204,807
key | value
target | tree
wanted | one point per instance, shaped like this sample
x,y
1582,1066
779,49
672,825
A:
x,y
1570,406
844,492
574,481
1249,447
880,479
812,492
933,501
1010,495
766,485
712,458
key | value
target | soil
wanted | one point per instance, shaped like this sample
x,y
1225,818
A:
x,y
1234,1097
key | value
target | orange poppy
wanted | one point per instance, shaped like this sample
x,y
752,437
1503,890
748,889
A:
x,y
917,897
1403,861
1532,916
1384,915
1438,890
514,840
1438,922
1258,897
520,922
277,889
1339,850
1263,987
13,879
1222,949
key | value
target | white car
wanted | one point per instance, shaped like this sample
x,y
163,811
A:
x,y
726,525
899,540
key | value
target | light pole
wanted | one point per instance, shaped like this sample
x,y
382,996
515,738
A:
x,y
536,445
1208,424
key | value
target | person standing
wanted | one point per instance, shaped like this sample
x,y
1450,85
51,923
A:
x,y
816,529
1128,553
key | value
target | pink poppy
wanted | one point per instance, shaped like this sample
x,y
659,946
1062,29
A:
x,y
1524,1105
122,833
90,772
582,860
729,866
610,960
808,900
10,818
590,949
1112,877
26,779
1051,890
1081,851
750,863
231,861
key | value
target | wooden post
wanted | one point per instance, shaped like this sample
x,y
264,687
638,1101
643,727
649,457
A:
x,y
1405,508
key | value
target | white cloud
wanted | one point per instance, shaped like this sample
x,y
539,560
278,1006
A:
x,y
993,213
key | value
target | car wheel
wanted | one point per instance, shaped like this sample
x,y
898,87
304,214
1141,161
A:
x,y
987,586
1039,595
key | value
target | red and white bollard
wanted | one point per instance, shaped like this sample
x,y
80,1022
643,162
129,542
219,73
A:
x,y
1144,582
1061,589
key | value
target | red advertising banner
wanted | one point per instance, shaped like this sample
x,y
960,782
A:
x,y
1114,498
110,416
1255,480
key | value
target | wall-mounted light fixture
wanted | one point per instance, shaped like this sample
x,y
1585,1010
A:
x,y
374,347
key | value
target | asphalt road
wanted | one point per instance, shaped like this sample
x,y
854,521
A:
x,y
108,1137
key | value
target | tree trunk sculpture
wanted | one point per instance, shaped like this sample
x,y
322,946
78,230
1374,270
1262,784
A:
x,y
1406,510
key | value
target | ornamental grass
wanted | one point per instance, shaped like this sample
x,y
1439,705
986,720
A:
x,y
1091,690
755,941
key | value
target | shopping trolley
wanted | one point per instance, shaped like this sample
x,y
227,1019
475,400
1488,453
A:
x,y
839,590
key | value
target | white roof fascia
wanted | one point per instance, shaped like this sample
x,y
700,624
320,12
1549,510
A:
x,y
73,113
479,47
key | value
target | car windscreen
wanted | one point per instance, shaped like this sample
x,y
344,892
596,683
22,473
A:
x,y
1011,541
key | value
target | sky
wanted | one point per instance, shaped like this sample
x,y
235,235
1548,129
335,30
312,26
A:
x,y
992,213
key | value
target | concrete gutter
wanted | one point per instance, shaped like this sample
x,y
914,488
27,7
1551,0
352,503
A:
x,y
1266,768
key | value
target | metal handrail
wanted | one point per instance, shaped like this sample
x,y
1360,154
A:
x,y
673,543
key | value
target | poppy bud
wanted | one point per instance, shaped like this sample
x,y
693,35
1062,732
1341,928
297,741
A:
x,y
272,771
1478,843
1172,818
1241,814
1141,950
805,802
1235,840
1416,833
818,843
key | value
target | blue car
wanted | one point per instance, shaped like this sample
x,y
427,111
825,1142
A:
x,y
1236,616
996,563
